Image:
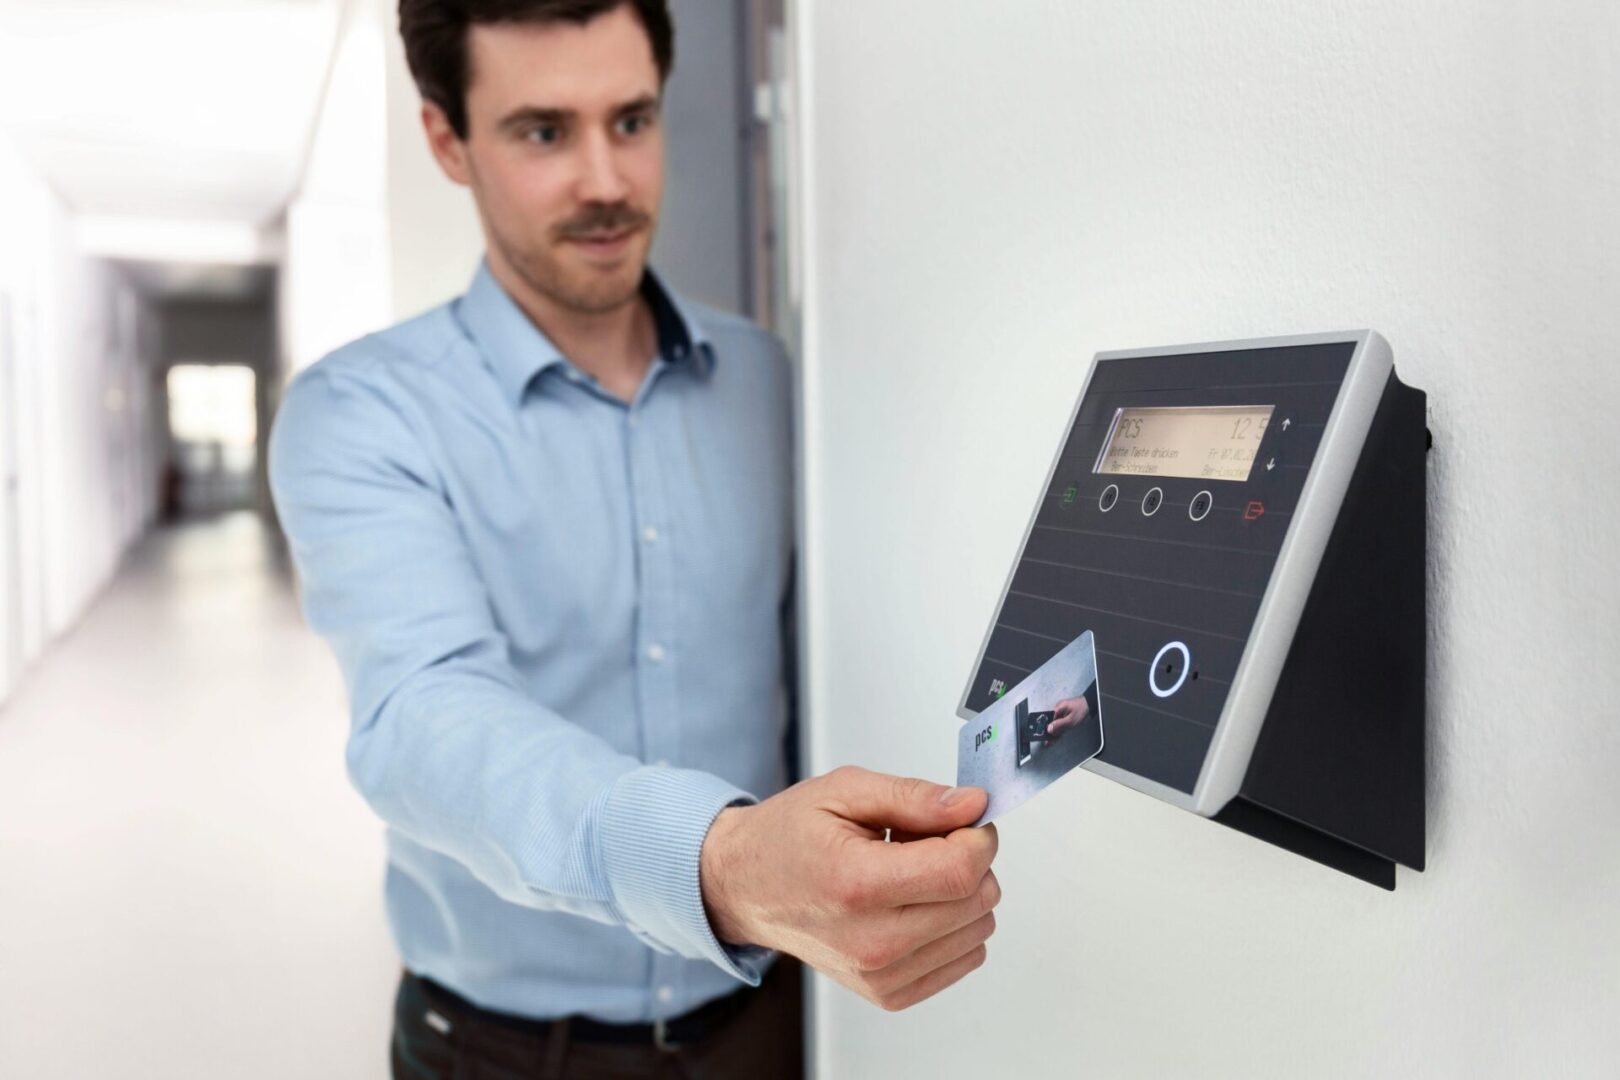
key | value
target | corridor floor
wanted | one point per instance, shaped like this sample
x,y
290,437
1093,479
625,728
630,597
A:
x,y
188,886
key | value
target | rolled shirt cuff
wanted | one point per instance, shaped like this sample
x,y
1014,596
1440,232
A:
x,y
652,830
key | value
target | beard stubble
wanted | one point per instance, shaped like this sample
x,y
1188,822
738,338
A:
x,y
543,268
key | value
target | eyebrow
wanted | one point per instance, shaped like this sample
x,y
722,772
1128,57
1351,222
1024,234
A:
x,y
536,114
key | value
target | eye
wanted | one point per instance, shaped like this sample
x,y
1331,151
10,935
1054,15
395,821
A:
x,y
634,124
544,134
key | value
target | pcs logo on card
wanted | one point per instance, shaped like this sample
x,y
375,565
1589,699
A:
x,y
984,737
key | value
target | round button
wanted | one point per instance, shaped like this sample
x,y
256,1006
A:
x,y
1164,664
655,653
1110,496
1199,510
666,993
650,535
1152,501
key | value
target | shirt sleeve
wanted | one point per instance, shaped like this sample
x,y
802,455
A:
x,y
445,744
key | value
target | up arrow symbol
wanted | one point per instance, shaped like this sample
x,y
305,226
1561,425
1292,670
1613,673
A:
x,y
1286,422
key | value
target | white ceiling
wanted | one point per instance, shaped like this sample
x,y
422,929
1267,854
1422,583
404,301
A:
x,y
184,110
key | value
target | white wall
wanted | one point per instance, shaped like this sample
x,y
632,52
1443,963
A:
x,y
333,282
22,605
96,474
78,446
996,192
435,241
375,233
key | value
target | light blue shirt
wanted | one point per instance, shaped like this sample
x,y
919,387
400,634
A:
x,y
559,620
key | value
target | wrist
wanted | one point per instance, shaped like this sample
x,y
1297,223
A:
x,y
717,868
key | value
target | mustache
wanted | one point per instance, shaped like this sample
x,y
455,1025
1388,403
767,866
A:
x,y
599,218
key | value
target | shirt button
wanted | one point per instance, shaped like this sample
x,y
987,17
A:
x,y
655,653
662,763
650,535
666,994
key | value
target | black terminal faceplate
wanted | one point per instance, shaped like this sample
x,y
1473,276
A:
x,y
1148,583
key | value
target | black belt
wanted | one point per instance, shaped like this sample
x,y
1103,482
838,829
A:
x,y
689,1027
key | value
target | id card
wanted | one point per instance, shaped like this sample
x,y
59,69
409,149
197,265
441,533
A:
x,y
1035,732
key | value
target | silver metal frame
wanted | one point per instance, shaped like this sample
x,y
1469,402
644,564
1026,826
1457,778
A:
x,y
1298,560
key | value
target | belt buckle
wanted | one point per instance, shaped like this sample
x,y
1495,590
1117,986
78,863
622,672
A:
x,y
661,1037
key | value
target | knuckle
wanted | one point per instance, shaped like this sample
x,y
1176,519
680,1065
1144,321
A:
x,y
960,878
844,773
905,789
852,891
989,892
872,954
890,999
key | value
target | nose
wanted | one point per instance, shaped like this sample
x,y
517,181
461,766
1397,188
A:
x,y
601,179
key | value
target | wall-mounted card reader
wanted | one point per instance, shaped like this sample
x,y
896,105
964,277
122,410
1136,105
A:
x,y
1241,526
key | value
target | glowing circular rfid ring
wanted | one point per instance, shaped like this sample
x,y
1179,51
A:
x,y
1153,672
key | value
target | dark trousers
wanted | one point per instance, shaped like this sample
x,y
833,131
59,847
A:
x,y
764,1039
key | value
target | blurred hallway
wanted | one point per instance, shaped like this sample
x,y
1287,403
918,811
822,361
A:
x,y
176,828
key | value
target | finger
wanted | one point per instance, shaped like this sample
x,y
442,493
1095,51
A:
x,y
901,802
936,954
927,871
915,926
901,836
905,836
935,981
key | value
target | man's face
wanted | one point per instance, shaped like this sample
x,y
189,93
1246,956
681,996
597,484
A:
x,y
564,153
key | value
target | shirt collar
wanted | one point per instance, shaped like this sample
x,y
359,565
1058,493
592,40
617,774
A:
x,y
518,351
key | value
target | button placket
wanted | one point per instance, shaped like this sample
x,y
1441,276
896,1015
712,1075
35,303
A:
x,y
667,984
655,622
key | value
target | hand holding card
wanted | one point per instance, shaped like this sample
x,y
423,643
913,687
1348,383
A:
x,y
1034,733
809,871
1070,712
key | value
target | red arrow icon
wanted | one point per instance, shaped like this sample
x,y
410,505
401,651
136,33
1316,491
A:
x,y
1254,511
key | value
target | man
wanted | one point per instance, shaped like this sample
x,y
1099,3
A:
x,y
547,529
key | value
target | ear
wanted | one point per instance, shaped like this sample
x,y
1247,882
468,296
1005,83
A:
x,y
448,149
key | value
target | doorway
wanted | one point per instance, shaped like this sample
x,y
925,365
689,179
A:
x,y
213,439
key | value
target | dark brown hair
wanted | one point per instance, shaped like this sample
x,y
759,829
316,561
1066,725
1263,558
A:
x,y
435,33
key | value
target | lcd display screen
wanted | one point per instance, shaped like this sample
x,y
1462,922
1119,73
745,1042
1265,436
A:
x,y
1217,442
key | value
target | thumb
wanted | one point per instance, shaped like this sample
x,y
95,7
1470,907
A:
x,y
906,803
